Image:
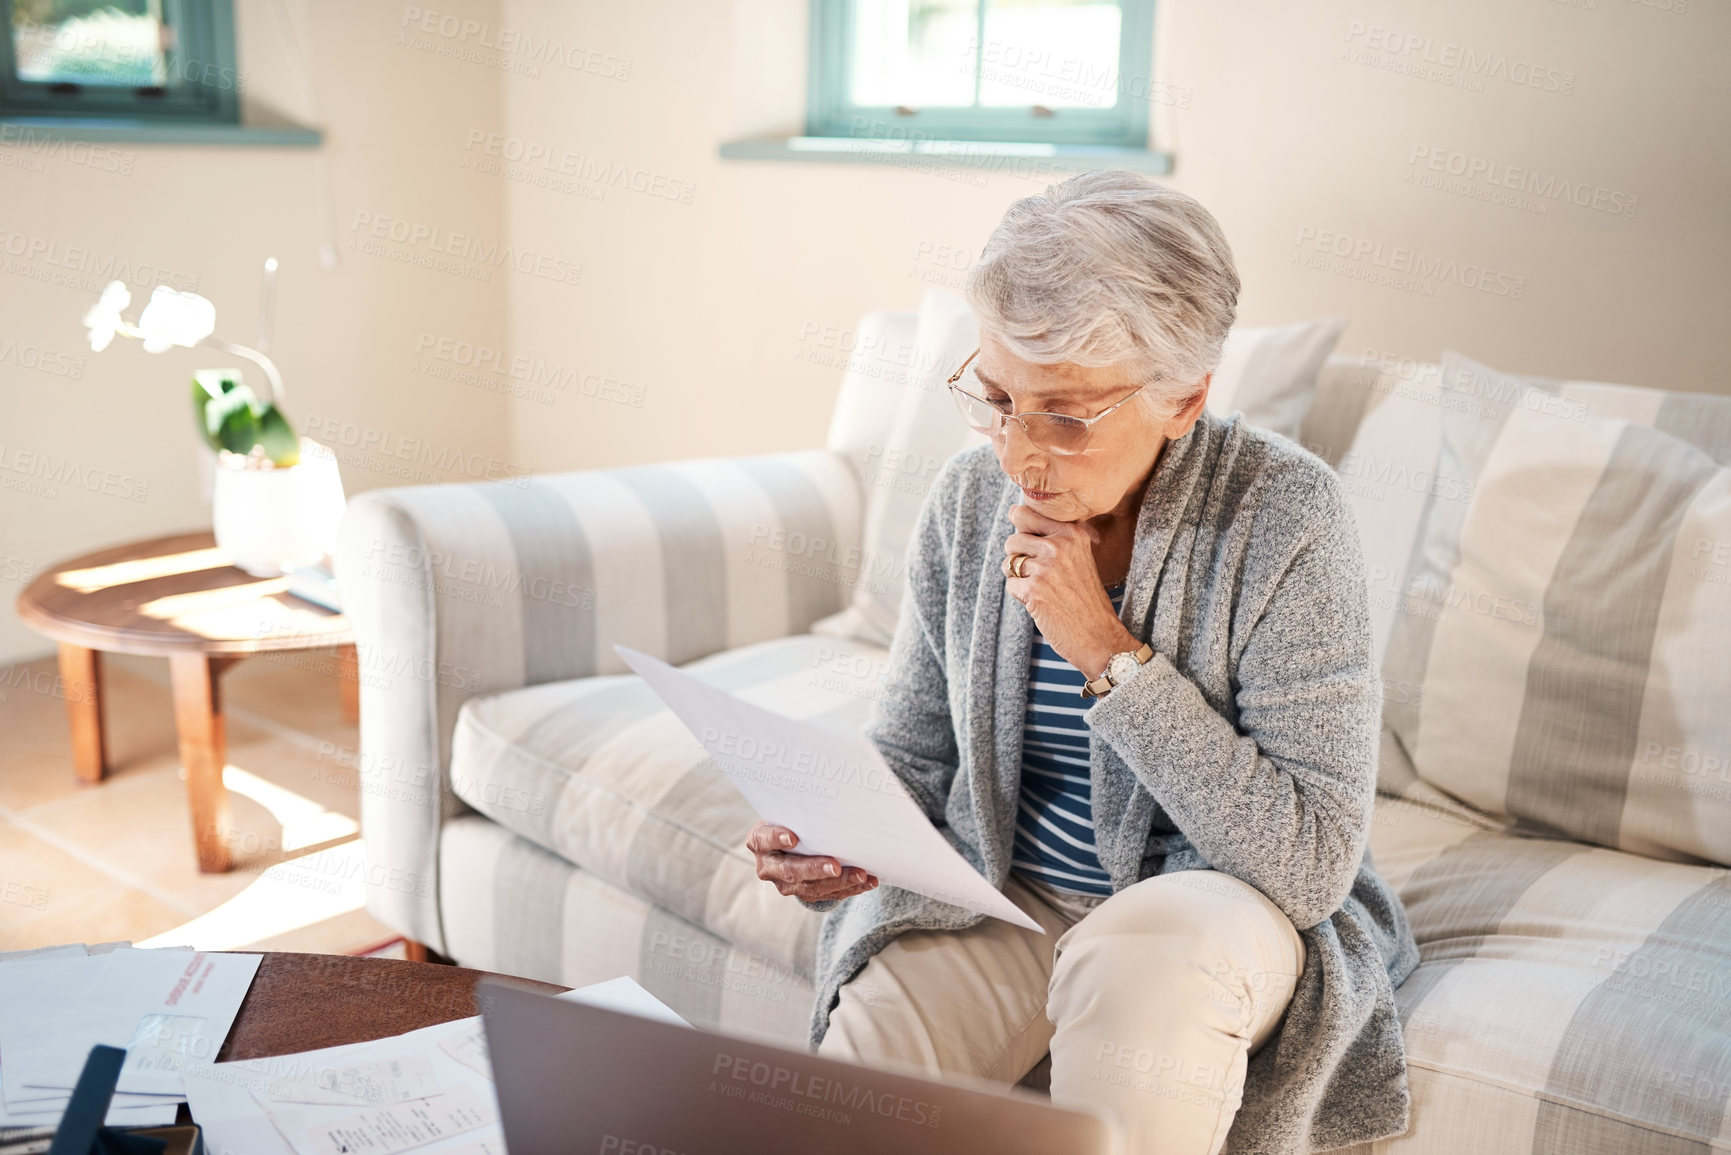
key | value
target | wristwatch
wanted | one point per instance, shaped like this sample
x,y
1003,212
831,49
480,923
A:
x,y
1120,668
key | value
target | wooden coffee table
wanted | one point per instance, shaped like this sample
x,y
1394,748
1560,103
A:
x,y
300,1002
176,597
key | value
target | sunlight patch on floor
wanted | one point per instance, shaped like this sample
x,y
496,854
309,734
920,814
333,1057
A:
x,y
303,821
286,897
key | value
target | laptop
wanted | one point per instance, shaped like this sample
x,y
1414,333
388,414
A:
x,y
577,1078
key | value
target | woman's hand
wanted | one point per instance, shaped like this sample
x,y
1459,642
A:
x,y
1061,587
811,877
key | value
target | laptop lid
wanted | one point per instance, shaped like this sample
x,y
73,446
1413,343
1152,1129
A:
x,y
577,1078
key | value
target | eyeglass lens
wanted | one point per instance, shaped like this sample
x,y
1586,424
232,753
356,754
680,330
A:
x,y
1052,431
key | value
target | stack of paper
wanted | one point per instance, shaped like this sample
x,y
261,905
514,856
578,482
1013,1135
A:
x,y
170,1010
431,1088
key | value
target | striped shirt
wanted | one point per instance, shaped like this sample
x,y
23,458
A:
x,y
1055,815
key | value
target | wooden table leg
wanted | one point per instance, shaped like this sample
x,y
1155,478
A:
x,y
349,682
203,751
81,677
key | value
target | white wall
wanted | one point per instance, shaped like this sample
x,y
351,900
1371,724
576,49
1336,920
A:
x,y
1291,133
1279,124
709,307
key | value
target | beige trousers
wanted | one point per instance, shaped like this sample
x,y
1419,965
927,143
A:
x,y
1150,1002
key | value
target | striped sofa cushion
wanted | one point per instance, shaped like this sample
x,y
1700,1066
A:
x,y
1565,625
1270,373
597,771
1569,998
897,467
512,907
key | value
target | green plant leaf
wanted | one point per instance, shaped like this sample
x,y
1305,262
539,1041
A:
x,y
231,422
210,388
231,417
278,437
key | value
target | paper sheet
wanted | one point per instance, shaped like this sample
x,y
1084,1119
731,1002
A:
x,y
623,994
469,1049
43,1107
171,1010
48,1114
231,1118
232,1102
835,792
359,1084
402,1126
491,1145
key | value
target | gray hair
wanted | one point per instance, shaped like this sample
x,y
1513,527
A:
x,y
1110,268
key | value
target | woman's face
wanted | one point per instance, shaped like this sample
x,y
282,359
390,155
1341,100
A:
x,y
1121,449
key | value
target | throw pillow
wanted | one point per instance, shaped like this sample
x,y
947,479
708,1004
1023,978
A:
x,y
1270,373
1566,616
897,469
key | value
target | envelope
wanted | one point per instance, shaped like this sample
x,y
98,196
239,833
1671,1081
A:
x,y
170,1009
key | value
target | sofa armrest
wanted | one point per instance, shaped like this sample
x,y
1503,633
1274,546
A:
x,y
460,590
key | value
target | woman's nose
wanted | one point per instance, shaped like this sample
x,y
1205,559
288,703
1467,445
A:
x,y
1017,455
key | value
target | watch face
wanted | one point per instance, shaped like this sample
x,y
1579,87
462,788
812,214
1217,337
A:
x,y
1122,666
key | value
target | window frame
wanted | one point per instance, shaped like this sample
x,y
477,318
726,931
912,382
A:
x,y
204,34
831,113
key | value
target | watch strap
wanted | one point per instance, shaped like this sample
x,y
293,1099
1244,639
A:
x,y
1098,687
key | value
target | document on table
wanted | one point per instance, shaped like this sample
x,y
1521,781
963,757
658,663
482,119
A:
x,y
835,792
170,1009
274,1106
361,1084
42,1107
403,1126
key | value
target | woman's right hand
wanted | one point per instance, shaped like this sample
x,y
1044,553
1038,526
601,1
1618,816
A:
x,y
809,877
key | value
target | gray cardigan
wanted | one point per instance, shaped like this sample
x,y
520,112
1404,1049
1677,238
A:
x,y
1253,729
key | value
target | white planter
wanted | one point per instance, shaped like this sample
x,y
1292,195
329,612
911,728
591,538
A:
x,y
267,520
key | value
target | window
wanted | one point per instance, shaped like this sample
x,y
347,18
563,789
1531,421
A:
x,y
164,60
1072,72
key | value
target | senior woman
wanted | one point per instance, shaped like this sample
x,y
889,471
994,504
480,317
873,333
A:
x,y
1133,684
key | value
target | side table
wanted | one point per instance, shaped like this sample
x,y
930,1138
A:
x,y
176,597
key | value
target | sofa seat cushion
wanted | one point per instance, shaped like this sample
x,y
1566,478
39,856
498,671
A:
x,y
511,907
1568,998
598,771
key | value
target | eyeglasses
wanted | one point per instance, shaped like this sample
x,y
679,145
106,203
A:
x,y
1053,432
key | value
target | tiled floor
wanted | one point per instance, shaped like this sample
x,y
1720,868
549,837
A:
x,y
115,860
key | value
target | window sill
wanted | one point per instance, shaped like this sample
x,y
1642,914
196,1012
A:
x,y
1022,159
125,130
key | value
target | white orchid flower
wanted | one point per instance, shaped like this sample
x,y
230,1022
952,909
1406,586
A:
x,y
104,319
172,318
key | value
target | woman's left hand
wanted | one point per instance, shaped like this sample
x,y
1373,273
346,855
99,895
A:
x,y
1061,588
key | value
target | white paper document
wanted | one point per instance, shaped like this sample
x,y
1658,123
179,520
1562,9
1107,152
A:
x,y
469,1049
360,1084
624,994
835,792
402,1126
274,1106
170,1009
43,1106
48,1114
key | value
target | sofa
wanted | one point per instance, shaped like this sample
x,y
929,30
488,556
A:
x,y
529,807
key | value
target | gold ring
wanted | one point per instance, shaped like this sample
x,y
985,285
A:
x,y
1016,560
